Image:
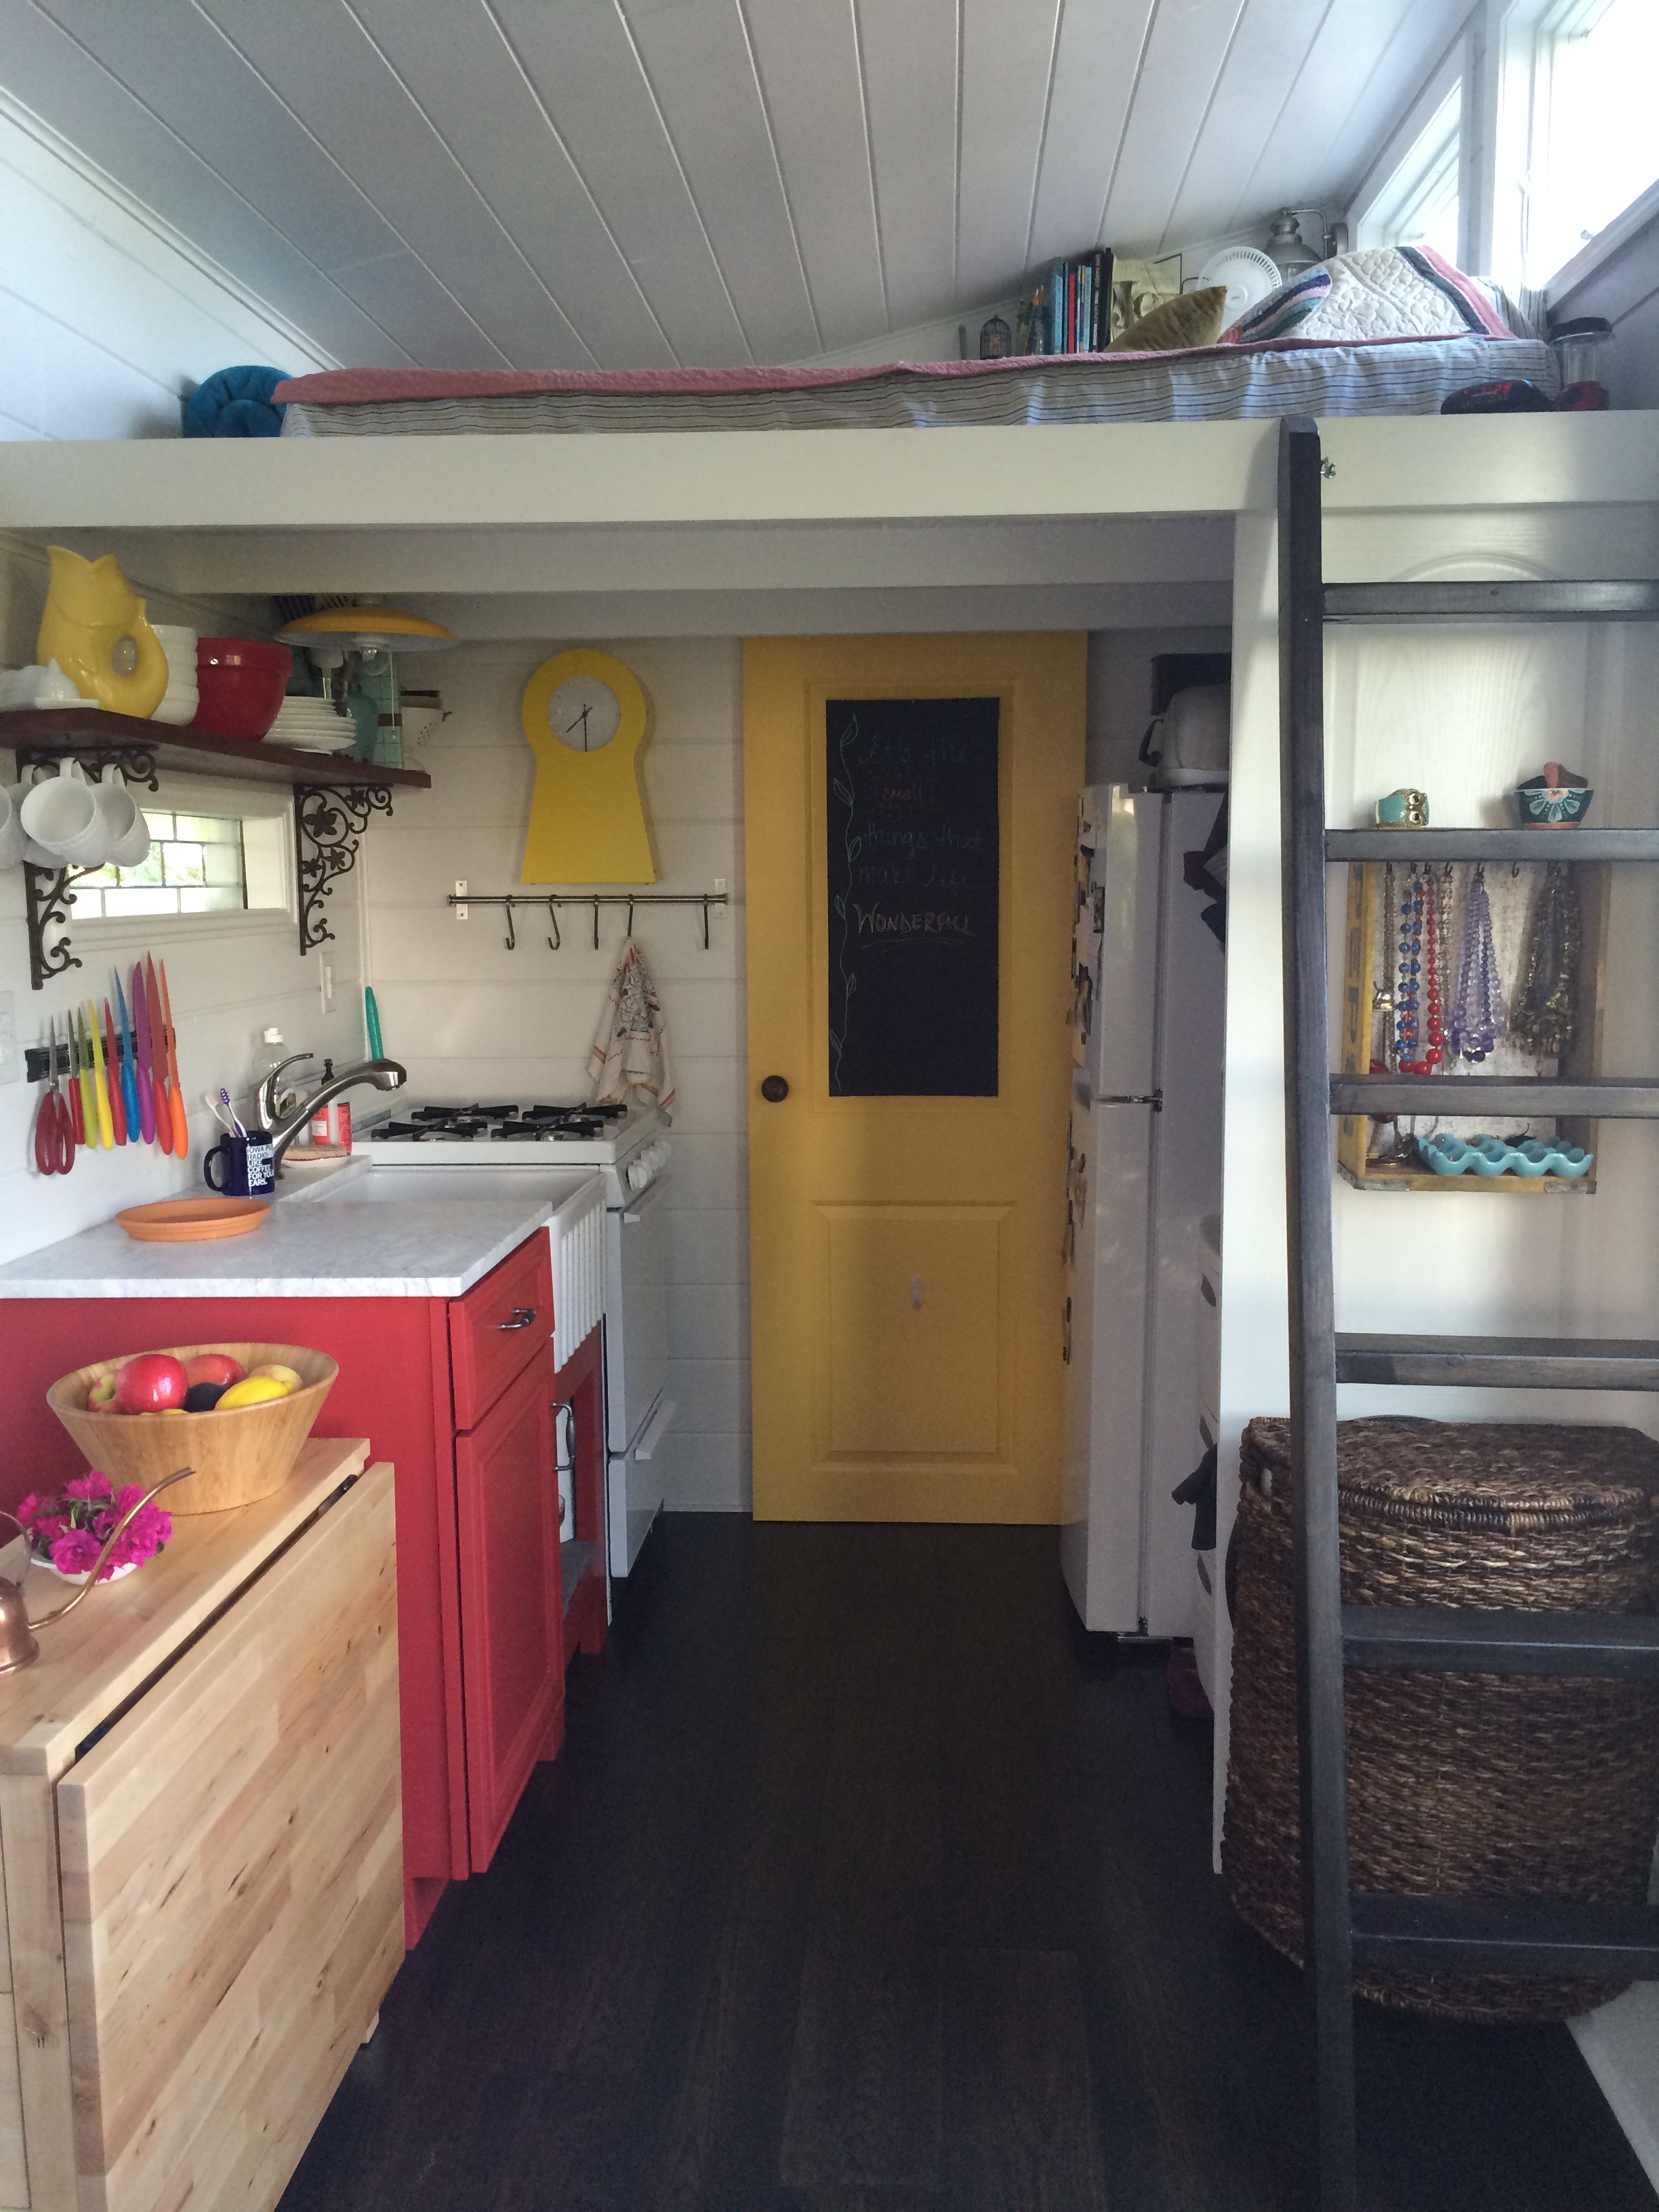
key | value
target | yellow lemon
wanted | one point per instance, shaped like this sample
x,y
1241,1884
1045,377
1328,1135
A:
x,y
286,1376
253,1390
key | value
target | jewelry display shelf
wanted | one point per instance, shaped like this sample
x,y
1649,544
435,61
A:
x,y
1357,1095
333,800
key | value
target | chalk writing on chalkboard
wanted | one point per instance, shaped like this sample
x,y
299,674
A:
x,y
913,889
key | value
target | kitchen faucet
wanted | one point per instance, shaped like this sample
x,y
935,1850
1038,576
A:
x,y
284,1117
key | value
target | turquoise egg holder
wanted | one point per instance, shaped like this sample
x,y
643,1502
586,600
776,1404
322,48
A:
x,y
1490,1156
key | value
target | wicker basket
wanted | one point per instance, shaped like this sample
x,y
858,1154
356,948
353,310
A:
x,y
1478,1785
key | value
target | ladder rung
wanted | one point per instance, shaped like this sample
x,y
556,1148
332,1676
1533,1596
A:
x,y
1435,846
1501,1363
1610,1646
1506,1935
1492,1096
1492,602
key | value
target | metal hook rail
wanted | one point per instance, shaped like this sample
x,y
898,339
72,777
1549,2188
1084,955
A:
x,y
554,900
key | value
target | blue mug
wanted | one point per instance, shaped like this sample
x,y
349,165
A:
x,y
248,1165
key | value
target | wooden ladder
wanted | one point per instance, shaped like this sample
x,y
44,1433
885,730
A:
x,y
1345,1929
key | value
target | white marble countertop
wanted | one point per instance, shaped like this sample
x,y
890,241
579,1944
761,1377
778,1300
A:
x,y
364,1233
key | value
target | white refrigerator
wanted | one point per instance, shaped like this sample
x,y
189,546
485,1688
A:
x,y
1144,1169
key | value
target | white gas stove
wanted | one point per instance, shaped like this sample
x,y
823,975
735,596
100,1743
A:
x,y
629,1147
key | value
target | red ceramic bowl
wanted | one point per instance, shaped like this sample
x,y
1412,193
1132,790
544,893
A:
x,y
239,683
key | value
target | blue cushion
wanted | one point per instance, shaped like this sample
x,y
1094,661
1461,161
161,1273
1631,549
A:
x,y
235,403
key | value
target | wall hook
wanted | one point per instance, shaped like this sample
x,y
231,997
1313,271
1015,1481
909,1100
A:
x,y
555,943
705,924
596,924
630,917
511,933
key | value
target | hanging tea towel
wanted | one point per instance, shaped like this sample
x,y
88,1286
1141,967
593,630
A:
x,y
630,1049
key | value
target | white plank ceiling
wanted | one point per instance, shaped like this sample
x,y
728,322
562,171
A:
x,y
639,183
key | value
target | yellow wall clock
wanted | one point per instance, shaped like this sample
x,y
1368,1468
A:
x,y
585,717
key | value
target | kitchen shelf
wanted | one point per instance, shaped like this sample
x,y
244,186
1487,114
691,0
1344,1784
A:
x,y
1568,843
49,733
333,800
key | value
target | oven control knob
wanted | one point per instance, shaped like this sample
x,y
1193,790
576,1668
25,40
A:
x,y
775,1089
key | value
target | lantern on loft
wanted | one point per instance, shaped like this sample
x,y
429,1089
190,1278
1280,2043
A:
x,y
1288,248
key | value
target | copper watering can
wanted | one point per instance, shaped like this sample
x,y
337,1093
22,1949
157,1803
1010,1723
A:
x,y
18,1646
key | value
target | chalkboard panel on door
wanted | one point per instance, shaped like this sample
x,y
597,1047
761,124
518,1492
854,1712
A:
x,y
913,881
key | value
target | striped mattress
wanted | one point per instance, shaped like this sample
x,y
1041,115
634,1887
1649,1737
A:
x,y
1388,376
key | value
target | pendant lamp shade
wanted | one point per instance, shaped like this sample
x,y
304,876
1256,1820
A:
x,y
362,626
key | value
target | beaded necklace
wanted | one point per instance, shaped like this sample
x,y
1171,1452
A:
x,y
1476,1016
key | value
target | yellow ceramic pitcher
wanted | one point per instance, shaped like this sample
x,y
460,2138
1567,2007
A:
x,y
94,628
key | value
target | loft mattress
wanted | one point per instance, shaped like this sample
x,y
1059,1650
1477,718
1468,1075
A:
x,y
1220,383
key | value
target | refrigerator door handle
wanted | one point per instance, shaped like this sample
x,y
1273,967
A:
x,y
1152,1098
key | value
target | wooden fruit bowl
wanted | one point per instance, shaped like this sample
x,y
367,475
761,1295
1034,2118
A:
x,y
238,1456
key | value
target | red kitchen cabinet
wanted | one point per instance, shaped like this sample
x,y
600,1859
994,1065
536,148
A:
x,y
430,1383
506,1512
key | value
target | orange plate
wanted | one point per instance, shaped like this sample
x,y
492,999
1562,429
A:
x,y
193,1220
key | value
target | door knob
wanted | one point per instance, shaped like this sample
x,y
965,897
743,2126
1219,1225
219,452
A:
x,y
775,1089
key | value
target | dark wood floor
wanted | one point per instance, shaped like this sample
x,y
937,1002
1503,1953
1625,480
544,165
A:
x,y
867,1882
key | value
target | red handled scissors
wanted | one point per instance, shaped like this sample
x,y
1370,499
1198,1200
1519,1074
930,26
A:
x,y
54,1131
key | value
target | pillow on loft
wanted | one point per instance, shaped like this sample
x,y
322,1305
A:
x,y
1382,292
1191,319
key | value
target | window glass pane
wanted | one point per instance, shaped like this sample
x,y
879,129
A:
x,y
195,865
1603,146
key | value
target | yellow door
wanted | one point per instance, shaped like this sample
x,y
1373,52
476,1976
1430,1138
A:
x,y
909,812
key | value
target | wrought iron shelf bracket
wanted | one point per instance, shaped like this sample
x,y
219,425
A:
x,y
552,900
328,828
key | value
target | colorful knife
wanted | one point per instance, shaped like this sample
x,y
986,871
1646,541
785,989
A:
x,y
117,1104
100,1085
76,1099
89,1093
128,1068
158,1045
180,1119
146,1089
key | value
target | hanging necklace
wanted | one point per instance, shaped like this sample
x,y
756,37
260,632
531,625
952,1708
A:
x,y
1477,1017
1382,995
1546,1007
1408,968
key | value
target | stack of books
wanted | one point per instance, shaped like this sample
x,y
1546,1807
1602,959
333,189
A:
x,y
1071,309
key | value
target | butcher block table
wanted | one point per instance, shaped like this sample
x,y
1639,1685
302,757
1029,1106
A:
x,y
201,1835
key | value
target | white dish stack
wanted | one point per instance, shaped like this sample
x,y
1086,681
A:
x,y
312,725
178,701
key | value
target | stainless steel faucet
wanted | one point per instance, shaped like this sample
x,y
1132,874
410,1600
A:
x,y
285,1117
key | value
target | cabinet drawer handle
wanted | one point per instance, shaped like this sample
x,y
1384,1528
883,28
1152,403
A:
x,y
521,1318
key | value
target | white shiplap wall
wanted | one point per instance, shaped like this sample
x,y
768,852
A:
x,y
471,1020
107,316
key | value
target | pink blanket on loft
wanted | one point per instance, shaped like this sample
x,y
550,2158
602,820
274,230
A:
x,y
333,387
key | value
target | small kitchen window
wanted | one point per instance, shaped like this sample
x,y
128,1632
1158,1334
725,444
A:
x,y
210,859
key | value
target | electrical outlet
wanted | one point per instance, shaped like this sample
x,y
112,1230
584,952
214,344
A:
x,y
719,886
461,912
7,1038
326,982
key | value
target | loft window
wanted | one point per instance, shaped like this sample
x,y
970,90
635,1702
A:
x,y
1592,146
1411,198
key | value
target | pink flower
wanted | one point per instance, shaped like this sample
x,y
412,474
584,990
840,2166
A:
x,y
45,1526
76,1553
88,1486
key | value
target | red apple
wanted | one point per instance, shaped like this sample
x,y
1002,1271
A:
x,y
152,1383
214,1367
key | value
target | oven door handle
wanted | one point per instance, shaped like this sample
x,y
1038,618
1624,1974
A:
x,y
655,1428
